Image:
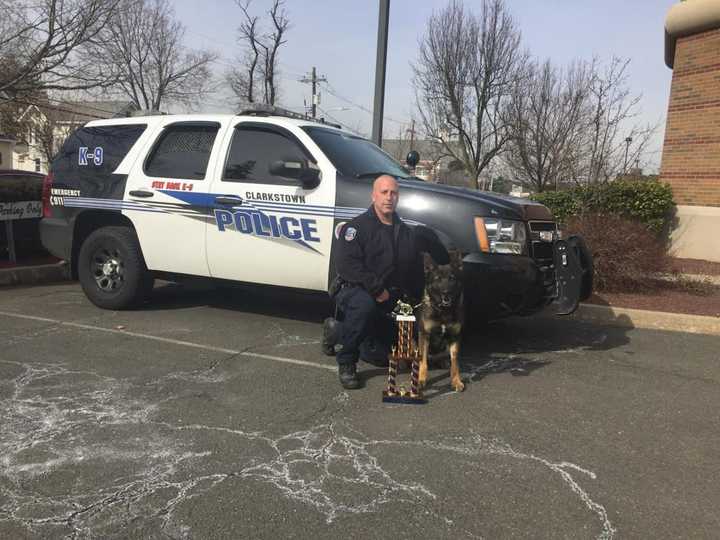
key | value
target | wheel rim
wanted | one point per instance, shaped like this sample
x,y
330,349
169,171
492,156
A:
x,y
108,269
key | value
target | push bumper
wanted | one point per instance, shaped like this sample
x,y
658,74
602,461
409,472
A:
x,y
573,274
498,285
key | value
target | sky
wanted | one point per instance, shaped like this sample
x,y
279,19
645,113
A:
x,y
339,37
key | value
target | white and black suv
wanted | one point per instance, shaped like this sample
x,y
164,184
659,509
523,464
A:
x,y
259,197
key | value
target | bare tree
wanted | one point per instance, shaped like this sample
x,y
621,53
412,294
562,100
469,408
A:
x,y
610,121
39,45
546,122
574,126
467,70
260,58
144,43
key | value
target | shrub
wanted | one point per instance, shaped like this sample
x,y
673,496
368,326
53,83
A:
x,y
648,202
626,254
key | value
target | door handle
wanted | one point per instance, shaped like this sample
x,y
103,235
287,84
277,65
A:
x,y
141,193
229,200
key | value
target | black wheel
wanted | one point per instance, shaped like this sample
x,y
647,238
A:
x,y
112,270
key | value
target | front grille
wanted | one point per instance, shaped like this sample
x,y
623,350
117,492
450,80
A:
x,y
541,250
537,226
542,253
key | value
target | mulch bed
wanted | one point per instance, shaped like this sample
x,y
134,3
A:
x,y
670,299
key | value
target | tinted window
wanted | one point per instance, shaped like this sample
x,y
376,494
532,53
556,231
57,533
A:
x,y
93,153
182,151
254,150
354,156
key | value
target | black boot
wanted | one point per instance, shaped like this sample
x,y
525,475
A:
x,y
329,336
348,376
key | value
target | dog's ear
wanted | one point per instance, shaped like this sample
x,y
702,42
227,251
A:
x,y
456,259
428,263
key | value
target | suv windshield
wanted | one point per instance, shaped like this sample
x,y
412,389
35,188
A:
x,y
354,156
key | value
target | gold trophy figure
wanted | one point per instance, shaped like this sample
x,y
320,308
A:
x,y
407,351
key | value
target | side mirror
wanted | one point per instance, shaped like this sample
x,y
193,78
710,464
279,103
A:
x,y
306,173
412,158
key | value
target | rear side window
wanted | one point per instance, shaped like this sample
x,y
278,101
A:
x,y
92,154
182,151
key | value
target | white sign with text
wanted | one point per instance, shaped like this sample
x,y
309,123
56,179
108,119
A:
x,y
20,210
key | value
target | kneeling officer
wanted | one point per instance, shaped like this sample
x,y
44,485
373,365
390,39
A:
x,y
379,260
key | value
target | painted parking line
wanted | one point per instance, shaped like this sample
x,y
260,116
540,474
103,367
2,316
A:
x,y
182,343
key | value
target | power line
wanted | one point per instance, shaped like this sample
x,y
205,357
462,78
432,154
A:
x,y
331,117
357,105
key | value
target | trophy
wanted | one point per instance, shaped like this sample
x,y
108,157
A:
x,y
406,351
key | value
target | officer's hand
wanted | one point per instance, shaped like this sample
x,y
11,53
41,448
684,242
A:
x,y
383,297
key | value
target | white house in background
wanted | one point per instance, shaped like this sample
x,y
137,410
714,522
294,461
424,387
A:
x,y
64,118
7,146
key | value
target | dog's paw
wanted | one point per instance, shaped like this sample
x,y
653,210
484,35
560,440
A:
x,y
458,385
422,383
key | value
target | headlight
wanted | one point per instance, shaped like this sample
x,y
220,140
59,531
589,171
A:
x,y
501,235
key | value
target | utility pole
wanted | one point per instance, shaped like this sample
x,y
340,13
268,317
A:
x,y
380,60
411,131
315,96
627,147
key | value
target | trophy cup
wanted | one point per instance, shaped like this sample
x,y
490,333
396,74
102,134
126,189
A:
x,y
406,351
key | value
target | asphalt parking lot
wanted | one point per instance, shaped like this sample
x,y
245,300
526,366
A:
x,y
211,414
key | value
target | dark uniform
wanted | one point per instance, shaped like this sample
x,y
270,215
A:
x,y
372,257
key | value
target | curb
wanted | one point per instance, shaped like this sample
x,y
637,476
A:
x,y
651,320
35,275
707,278
715,280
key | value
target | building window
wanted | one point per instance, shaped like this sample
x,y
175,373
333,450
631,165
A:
x,y
37,164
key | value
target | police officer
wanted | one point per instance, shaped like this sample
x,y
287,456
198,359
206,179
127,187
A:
x,y
379,259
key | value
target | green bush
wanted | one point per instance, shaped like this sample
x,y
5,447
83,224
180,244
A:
x,y
646,202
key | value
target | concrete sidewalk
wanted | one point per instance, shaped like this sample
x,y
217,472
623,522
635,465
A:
x,y
651,320
35,275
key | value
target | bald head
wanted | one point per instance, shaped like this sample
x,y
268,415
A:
x,y
385,196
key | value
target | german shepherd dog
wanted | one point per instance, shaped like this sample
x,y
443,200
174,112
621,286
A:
x,y
441,315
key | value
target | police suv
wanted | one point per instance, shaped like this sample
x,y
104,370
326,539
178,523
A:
x,y
259,197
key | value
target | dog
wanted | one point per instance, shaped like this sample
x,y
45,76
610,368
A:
x,y
441,316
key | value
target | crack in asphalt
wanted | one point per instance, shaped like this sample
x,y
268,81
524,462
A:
x,y
57,423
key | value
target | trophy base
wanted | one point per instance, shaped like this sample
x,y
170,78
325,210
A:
x,y
405,399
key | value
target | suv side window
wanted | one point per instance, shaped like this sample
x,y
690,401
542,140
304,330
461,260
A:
x,y
182,151
94,152
254,149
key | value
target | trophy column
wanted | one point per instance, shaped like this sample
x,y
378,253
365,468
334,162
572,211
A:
x,y
406,350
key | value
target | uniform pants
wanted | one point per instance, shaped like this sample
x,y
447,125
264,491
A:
x,y
365,329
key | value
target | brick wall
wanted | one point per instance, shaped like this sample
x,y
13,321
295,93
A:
x,y
691,152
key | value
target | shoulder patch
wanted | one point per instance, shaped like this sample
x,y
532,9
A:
x,y
339,228
350,234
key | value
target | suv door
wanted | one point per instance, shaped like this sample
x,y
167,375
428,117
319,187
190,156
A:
x,y
167,196
271,226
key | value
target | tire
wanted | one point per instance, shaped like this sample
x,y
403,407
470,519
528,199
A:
x,y
111,269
